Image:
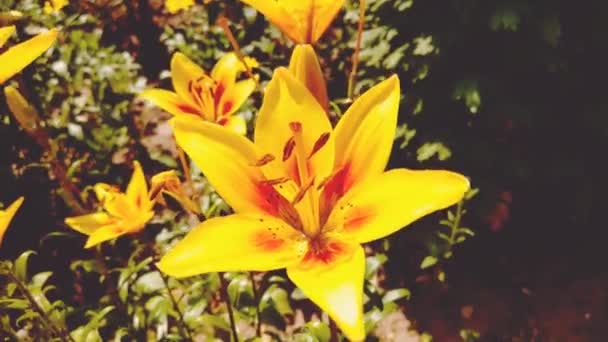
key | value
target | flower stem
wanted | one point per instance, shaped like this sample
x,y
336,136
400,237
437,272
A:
x,y
352,79
183,327
44,318
456,223
256,299
223,23
226,297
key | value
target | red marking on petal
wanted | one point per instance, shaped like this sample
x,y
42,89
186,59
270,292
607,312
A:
x,y
268,241
334,188
227,107
274,204
324,251
356,218
188,109
218,92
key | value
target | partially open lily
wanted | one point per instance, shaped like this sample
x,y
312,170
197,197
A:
x,y
6,216
167,182
19,56
304,65
123,213
306,195
215,97
303,21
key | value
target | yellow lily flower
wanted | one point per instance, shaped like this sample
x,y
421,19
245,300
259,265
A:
x,y
304,65
306,196
168,183
214,97
19,56
303,21
124,213
174,6
6,216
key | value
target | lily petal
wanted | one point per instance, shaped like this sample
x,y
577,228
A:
x,y
6,216
387,202
364,135
227,159
22,110
337,288
184,71
274,12
287,101
305,66
236,124
103,234
6,33
169,101
224,72
19,56
324,13
137,190
87,224
235,95
234,243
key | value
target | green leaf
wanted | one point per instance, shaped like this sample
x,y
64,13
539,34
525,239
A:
x,y
428,261
21,265
373,264
395,295
277,298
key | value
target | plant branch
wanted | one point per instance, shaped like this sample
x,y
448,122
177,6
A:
x,y
352,79
226,297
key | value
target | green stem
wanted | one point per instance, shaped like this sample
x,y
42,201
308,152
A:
x,y
226,298
44,318
256,299
456,223
183,327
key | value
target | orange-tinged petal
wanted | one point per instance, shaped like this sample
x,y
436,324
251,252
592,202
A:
x,y
337,288
137,190
274,12
87,224
235,95
387,202
19,56
6,216
169,101
103,234
227,159
304,65
184,71
364,135
236,124
6,33
324,13
286,101
234,243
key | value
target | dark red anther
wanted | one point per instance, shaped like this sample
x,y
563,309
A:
x,y
267,158
319,144
295,126
288,148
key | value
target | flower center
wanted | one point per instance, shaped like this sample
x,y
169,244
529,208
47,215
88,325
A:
x,y
206,93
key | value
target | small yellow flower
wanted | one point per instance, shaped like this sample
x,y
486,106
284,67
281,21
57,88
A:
x,y
19,56
168,183
303,21
307,195
174,6
124,213
54,6
214,97
6,216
